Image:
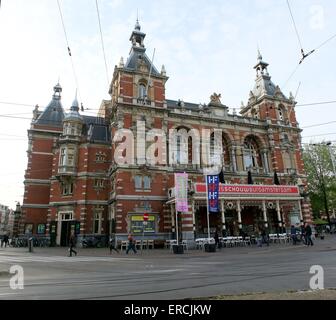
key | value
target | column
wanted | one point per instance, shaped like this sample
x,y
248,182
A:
x,y
223,214
278,212
239,215
265,161
265,213
234,160
300,210
193,215
172,212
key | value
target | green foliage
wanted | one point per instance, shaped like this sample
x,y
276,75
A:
x,y
321,177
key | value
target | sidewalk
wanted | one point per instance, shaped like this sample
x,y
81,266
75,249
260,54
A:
x,y
328,244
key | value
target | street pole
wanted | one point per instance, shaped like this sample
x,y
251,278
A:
x,y
177,234
207,201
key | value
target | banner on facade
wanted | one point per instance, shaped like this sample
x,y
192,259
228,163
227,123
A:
x,y
181,192
213,193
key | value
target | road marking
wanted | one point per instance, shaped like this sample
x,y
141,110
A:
x,y
7,294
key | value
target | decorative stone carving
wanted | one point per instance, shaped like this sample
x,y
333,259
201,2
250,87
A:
x,y
215,98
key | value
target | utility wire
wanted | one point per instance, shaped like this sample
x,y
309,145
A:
x,y
68,47
319,135
296,30
318,125
102,43
315,104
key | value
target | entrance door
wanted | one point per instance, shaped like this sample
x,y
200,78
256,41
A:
x,y
65,233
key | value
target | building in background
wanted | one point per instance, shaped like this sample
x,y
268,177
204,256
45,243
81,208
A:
x,y
6,220
73,182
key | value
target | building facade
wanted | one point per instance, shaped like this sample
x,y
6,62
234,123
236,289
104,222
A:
x,y
92,175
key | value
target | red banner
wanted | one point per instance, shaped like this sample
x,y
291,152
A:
x,y
252,189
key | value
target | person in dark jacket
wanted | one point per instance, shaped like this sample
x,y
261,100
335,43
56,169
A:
x,y
293,235
5,240
112,244
72,244
216,237
308,233
264,237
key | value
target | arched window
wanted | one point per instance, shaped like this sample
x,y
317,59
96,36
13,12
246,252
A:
x,y
251,154
142,93
281,113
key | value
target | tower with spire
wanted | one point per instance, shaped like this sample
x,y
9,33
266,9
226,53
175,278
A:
x,y
266,100
137,81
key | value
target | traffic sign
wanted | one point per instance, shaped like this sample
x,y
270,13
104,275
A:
x,y
146,216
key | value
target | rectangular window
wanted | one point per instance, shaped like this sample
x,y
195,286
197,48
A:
x,y
147,182
41,228
138,182
67,188
71,157
99,183
97,223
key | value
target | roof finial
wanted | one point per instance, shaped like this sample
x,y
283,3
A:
x,y
75,104
259,54
137,24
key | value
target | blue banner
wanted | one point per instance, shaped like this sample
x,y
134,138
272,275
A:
x,y
213,193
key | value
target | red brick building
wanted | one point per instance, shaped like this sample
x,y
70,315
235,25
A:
x,y
73,180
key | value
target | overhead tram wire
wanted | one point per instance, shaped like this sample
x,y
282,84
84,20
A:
x,y
69,51
295,27
102,43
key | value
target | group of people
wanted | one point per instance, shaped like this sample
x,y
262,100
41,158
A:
x,y
306,235
112,244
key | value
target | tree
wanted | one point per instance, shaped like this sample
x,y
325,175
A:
x,y
321,177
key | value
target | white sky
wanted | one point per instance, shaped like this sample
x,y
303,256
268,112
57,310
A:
x,y
206,46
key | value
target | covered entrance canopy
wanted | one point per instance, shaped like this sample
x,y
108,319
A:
x,y
244,208
254,206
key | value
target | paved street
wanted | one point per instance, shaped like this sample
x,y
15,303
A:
x,y
158,274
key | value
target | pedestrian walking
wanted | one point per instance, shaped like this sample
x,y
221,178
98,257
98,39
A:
x,y
131,244
72,244
258,237
308,233
112,244
264,237
216,237
293,235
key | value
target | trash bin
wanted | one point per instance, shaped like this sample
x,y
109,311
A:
x,y
178,249
30,244
210,247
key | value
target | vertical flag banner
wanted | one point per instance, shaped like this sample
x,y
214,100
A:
x,y
181,192
213,193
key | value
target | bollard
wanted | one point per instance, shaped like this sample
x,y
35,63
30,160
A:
x,y
30,244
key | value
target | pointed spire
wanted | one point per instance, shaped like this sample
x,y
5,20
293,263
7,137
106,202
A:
x,y
75,104
137,24
259,55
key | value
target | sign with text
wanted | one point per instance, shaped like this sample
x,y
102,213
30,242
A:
x,y
213,193
252,190
181,192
